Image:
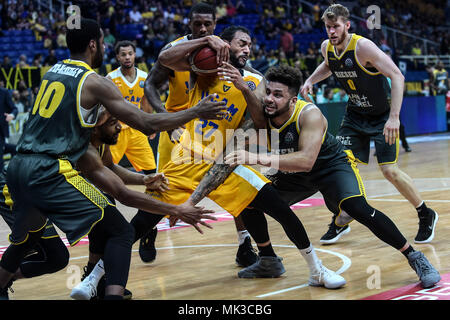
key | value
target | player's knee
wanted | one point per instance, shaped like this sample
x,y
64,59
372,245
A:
x,y
357,208
59,261
127,234
56,253
390,172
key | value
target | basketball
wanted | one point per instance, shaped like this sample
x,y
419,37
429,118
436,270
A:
x,y
204,60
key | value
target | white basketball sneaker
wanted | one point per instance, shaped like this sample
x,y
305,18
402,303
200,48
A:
x,y
326,278
85,290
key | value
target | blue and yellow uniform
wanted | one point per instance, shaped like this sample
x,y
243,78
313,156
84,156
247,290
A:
x,y
203,141
334,174
41,178
368,106
131,142
177,100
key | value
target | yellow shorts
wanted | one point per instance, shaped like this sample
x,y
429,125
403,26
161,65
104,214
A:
x,y
234,195
165,147
134,144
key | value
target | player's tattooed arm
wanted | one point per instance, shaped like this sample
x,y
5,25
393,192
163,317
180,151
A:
x,y
216,175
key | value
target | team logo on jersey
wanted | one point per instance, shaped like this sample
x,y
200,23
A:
x,y
289,138
226,88
251,85
141,83
349,62
130,91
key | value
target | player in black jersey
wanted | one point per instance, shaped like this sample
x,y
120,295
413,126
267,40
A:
x,y
41,178
309,159
372,111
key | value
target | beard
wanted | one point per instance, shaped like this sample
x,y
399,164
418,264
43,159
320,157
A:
x,y
109,140
98,58
277,112
341,39
127,66
234,61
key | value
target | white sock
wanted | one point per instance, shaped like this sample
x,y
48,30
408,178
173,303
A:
x,y
419,205
97,273
242,235
309,254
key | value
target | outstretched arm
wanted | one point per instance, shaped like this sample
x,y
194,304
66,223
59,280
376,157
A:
x,y
106,180
313,127
98,89
151,181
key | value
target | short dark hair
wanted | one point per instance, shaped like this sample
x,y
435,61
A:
x,y
78,38
202,8
229,32
287,75
124,43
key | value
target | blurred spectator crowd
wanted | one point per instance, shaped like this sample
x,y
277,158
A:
x,y
283,31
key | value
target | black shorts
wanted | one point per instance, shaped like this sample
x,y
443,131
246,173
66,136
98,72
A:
x,y
6,205
355,134
42,187
337,181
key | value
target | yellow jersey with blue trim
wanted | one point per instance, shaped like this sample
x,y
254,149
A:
x,y
287,137
368,90
131,91
178,98
208,138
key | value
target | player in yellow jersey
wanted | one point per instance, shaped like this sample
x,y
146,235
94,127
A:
x,y
202,24
130,81
234,188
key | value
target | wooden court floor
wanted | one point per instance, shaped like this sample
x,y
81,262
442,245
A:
x,y
192,266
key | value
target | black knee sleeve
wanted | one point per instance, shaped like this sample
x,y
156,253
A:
x,y
269,201
143,221
97,242
256,224
52,256
375,220
14,254
117,254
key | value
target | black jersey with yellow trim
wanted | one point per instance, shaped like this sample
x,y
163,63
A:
x,y
368,90
58,125
286,139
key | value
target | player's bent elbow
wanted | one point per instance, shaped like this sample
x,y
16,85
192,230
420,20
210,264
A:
x,y
306,166
164,59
